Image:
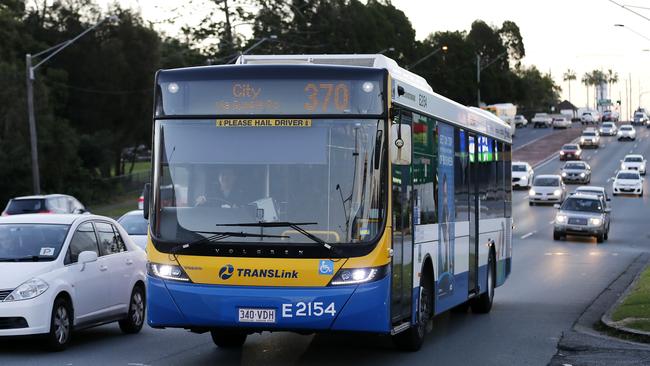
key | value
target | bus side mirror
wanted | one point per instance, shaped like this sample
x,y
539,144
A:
x,y
400,144
145,204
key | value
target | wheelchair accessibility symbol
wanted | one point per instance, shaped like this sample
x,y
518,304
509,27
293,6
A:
x,y
326,267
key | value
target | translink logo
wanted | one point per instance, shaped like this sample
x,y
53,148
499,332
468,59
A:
x,y
227,271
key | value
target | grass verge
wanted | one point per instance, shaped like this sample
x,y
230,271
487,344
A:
x,y
634,311
117,207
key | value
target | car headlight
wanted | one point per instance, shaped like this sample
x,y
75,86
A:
x,y
561,152
595,221
564,174
622,166
353,276
28,290
531,192
557,192
582,175
560,219
582,139
167,272
578,152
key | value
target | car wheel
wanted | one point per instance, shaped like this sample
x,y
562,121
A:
x,y
60,333
606,237
600,238
226,338
135,318
556,235
412,338
531,203
483,303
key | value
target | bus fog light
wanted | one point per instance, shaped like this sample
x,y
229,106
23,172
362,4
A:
x,y
173,88
367,87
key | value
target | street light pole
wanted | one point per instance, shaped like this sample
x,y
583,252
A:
x,y
262,40
443,48
478,74
36,179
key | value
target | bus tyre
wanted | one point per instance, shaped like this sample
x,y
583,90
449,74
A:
x,y
411,339
135,318
224,338
483,303
60,333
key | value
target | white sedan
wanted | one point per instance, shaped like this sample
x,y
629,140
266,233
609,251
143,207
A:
x,y
628,182
136,226
67,272
522,174
626,132
634,162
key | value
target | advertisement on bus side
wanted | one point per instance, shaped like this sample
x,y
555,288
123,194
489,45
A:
x,y
446,210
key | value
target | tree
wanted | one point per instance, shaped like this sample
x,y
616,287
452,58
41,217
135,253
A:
x,y
569,76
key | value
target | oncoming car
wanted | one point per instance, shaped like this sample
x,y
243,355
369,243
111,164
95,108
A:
x,y
634,162
522,174
626,132
584,215
590,137
576,172
547,188
62,273
571,152
608,129
561,122
628,182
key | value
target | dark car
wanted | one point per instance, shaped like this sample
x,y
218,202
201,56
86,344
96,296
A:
x,y
571,152
576,172
51,203
584,215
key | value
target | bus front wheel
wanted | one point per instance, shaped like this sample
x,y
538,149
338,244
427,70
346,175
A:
x,y
224,338
412,338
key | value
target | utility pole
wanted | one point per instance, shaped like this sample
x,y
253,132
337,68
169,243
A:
x,y
36,179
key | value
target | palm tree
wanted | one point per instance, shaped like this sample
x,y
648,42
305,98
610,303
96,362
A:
x,y
569,75
612,78
588,80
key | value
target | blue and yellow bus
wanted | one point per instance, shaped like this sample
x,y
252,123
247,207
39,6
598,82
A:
x,y
321,193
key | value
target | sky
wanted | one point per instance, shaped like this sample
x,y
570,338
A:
x,y
558,35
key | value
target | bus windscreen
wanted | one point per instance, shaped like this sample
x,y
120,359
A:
x,y
223,93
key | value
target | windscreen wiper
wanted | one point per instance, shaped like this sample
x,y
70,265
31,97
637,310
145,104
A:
x,y
294,225
220,235
27,258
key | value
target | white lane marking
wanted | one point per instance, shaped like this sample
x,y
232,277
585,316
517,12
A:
x,y
635,145
528,235
610,179
596,152
551,222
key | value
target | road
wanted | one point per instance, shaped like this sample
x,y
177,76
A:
x,y
551,284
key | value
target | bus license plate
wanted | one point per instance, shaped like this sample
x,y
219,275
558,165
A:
x,y
247,315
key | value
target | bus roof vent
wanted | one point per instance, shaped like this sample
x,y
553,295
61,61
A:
x,y
345,60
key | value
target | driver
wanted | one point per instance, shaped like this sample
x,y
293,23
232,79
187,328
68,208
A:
x,y
228,193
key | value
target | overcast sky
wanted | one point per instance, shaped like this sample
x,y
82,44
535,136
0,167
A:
x,y
576,34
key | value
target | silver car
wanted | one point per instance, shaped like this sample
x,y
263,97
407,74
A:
x,y
576,172
582,215
608,129
547,189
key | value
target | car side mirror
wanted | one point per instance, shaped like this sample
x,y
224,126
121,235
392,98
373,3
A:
x,y
608,199
87,256
400,145
557,205
145,204
608,210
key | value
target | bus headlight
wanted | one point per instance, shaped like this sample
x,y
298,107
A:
x,y
167,272
353,276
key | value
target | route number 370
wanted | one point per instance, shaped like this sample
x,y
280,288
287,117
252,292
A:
x,y
323,95
302,309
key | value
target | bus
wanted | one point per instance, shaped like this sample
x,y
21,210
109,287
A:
x,y
321,193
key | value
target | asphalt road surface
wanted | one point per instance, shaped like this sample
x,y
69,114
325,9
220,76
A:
x,y
551,284
528,134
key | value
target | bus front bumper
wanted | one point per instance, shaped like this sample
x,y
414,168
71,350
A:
x,y
363,308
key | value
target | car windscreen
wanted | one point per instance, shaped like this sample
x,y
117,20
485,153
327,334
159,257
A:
x,y
25,206
575,166
134,224
588,134
589,191
546,182
626,175
582,205
31,242
608,125
626,128
569,147
639,115
633,159
518,168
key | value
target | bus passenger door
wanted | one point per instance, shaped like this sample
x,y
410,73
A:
x,y
402,261
474,214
